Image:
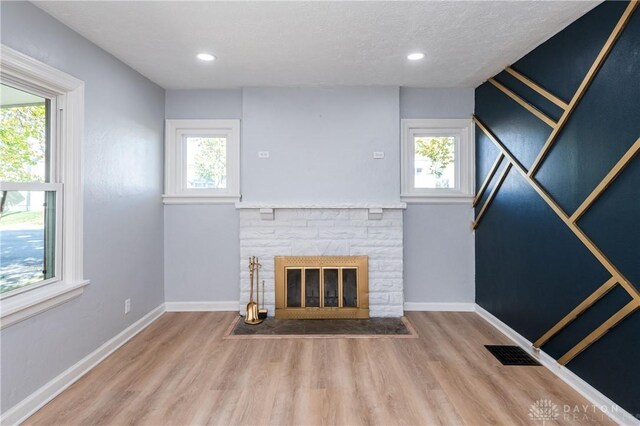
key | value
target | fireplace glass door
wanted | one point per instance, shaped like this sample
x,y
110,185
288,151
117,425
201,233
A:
x,y
350,287
331,291
322,287
312,288
294,288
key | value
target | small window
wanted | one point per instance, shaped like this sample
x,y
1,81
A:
x,y
436,155
437,160
202,161
206,162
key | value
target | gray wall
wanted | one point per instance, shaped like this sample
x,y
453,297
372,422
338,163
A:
x,y
201,242
439,265
123,230
321,142
202,249
436,103
203,104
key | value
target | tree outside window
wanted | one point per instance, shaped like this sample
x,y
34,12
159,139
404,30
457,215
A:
x,y
23,213
434,162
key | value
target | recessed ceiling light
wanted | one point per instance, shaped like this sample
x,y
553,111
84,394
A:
x,y
206,57
415,56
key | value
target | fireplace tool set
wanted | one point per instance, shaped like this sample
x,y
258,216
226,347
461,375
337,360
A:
x,y
255,314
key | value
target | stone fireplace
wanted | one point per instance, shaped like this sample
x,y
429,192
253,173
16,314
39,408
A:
x,y
302,230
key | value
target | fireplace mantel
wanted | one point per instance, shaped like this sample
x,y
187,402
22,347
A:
x,y
375,209
338,205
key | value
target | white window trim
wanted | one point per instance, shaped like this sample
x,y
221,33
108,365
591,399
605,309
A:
x,y
17,66
175,130
465,161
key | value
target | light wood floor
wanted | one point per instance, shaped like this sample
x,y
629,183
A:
x,y
180,371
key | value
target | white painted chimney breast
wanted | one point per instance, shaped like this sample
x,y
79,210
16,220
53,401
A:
x,y
340,230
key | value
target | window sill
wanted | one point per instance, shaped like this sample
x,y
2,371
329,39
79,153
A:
x,y
200,199
26,305
437,199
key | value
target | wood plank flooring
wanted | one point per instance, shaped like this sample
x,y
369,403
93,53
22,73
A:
x,y
180,371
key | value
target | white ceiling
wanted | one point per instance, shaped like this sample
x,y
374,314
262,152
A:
x,y
317,43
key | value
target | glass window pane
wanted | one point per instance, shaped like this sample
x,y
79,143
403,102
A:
x,y
434,162
27,238
294,288
206,162
24,130
350,288
330,288
312,288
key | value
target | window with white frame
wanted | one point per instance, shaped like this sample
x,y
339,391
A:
x,y
202,161
30,194
437,160
41,122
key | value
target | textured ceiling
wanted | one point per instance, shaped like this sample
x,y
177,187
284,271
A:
x,y
317,43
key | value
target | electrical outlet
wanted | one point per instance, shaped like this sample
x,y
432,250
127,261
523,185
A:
x,y
378,155
127,306
263,154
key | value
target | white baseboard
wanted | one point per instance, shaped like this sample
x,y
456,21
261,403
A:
x,y
594,396
231,305
440,307
25,408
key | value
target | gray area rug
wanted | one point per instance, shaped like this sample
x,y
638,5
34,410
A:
x,y
383,327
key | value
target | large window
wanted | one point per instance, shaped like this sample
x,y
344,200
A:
x,y
202,161
28,200
41,121
437,160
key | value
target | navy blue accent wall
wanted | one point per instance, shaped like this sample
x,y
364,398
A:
x,y
531,269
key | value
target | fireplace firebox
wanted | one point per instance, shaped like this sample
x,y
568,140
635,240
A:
x,y
316,287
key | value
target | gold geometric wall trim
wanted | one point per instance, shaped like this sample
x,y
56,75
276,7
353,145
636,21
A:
x,y
495,190
577,311
616,276
533,110
586,82
487,180
537,88
608,179
570,221
596,334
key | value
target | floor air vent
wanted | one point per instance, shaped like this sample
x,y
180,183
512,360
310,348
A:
x,y
511,355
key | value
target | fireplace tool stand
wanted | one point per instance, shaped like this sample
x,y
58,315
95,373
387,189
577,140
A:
x,y
252,315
